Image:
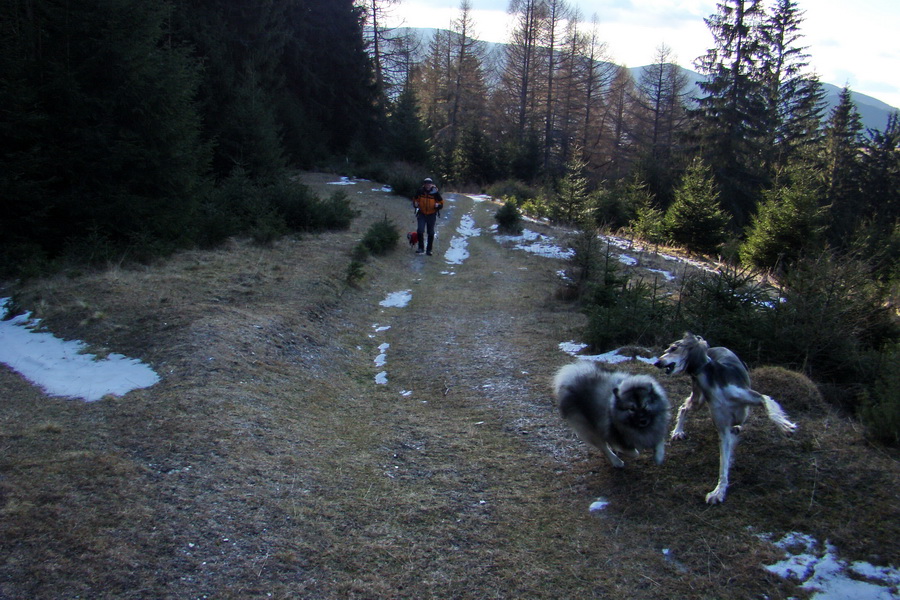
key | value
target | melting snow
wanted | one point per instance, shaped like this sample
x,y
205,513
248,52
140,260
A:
x,y
397,299
598,505
381,359
819,570
458,251
573,349
536,243
669,276
64,368
343,181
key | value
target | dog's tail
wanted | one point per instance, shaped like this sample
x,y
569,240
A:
x,y
777,415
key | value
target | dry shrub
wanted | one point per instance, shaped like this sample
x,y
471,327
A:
x,y
794,391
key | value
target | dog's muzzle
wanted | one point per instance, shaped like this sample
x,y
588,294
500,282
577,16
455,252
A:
x,y
667,367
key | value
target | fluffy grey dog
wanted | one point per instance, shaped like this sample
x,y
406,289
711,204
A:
x,y
613,411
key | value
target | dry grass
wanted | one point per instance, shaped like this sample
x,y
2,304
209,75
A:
x,y
267,463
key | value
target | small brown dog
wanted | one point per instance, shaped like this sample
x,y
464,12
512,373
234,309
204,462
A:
x,y
413,238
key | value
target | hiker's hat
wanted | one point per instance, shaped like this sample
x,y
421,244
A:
x,y
428,180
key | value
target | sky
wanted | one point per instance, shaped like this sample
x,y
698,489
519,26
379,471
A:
x,y
849,43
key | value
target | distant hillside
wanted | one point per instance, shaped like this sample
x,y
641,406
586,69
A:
x,y
873,112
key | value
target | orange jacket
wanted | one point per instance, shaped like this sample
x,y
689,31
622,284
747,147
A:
x,y
428,201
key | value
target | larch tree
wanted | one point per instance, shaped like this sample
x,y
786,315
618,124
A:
x,y
520,67
661,115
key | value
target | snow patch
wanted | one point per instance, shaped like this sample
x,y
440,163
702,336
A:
x,y
397,299
381,359
459,251
666,274
819,569
64,368
613,357
343,181
598,505
536,243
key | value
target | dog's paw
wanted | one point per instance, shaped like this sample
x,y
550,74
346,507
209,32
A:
x,y
615,461
716,496
678,435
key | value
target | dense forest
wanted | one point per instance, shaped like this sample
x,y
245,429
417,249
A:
x,y
140,126
132,128
131,124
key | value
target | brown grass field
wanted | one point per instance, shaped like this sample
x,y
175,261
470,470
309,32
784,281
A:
x,y
267,463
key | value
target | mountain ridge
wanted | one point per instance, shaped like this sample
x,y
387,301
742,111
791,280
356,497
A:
x,y
874,113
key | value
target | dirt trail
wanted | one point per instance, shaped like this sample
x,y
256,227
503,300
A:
x,y
269,463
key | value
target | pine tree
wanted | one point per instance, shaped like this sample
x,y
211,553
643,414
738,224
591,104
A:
x,y
407,137
620,124
469,91
661,96
329,75
557,12
598,72
696,219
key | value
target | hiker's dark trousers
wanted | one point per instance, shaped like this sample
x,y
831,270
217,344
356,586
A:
x,y
426,221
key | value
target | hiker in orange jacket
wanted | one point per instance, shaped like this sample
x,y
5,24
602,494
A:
x,y
428,203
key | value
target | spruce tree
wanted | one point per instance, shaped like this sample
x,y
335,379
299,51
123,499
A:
x,y
788,224
104,128
407,137
572,200
843,148
794,97
696,219
880,166
731,117
880,197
